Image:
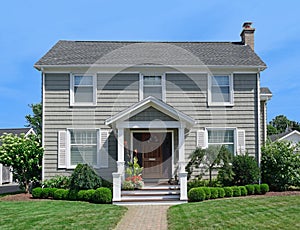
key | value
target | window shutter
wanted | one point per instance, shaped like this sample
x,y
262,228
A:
x,y
104,134
201,139
62,149
241,142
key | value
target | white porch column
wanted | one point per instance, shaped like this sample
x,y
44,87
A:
x,y
181,160
121,162
116,186
183,185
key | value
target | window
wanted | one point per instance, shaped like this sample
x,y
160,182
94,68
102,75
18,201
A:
x,y
83,146
222,137
83,90
221,90
152,86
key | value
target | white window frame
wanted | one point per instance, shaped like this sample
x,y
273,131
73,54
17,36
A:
x,y
72,86
69,166
231,91
163,85
224,129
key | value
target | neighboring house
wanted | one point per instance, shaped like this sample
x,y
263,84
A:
x,y
5,174
292,136
104,102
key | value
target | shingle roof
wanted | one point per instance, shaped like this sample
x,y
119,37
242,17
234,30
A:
x,y
150,53
15,131
281,135
265,90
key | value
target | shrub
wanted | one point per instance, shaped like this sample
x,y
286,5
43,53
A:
x,y
37,193
244,191
257,190
214,193
102,196
107,184
85,195
72,194
228,191
45,193
61,194
57,182
51,192
196,194
84,177
236,191
264,188
221,192
280,165
245,170
127,185
196,183
250,189
207,192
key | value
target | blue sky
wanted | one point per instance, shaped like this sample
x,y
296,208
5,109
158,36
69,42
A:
x,y
30,28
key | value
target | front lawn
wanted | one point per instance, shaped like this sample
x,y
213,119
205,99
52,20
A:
x,y
281,212
58,215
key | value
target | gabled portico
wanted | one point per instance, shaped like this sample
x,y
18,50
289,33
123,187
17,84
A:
x,y
156,118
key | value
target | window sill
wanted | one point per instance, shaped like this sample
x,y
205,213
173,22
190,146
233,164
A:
x,y
220,104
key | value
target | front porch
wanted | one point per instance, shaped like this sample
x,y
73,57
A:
x,y
154,132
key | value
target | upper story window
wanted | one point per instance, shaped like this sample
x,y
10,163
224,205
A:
x,y
152,86
220,91
83,90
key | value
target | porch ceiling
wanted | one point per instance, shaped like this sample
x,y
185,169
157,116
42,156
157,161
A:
x,y
148,102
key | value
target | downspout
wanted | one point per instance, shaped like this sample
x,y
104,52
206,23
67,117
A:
x,y
258,122
43,123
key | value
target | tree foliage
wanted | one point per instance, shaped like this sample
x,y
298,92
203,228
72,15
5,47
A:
x,y
24,155
280,124
35,121
280,165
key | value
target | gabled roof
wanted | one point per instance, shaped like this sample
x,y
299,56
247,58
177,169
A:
x,y
155,103
265,94
86,53
284,135
17,131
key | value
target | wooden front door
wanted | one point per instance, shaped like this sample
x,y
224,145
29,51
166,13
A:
x,y
152,154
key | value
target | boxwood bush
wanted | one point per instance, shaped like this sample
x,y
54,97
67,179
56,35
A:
x,y
37,193
250,189
196,194
72,194
257,190
214,193
207,192
221,192
228,191
236,191
102,196
264,188
243,191
61,194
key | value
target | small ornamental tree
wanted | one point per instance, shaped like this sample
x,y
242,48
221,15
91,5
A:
x,y
24,155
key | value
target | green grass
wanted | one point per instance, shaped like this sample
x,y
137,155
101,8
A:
x,y
281,212
58,215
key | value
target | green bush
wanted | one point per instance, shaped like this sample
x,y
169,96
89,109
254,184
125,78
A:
x,y
280,165
250,189
84,177
196,194
228,191
107,184
72,194
127,185
221,192
102,196
257,190
57,182
264,188
244,191
61,194
214,193
236,191
196,183
51,191
245,170
45,193
86,195
37,193
207,192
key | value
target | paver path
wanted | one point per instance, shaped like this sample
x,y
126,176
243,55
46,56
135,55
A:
x,y
144,217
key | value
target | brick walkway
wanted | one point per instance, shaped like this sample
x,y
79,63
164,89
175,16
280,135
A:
x,y
146,217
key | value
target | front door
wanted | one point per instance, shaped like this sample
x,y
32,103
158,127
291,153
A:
x,y
153,150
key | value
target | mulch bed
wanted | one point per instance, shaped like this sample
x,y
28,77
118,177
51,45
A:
x,y
28,197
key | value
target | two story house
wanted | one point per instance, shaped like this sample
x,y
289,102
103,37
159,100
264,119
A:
x,y
105,102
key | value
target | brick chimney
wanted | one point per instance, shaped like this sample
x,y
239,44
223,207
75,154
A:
x,y
247,34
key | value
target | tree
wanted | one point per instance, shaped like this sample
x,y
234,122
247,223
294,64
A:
x,y
280,124
24,155
35,121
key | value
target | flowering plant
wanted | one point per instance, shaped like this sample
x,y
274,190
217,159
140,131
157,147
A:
x,y
134,172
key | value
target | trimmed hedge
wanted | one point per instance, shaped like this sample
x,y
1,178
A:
x,y
196,194
228,191
257,190
236,191
37,193
264,188
221,192
244,191
214,193
61,194
207,192
102,196
250,189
